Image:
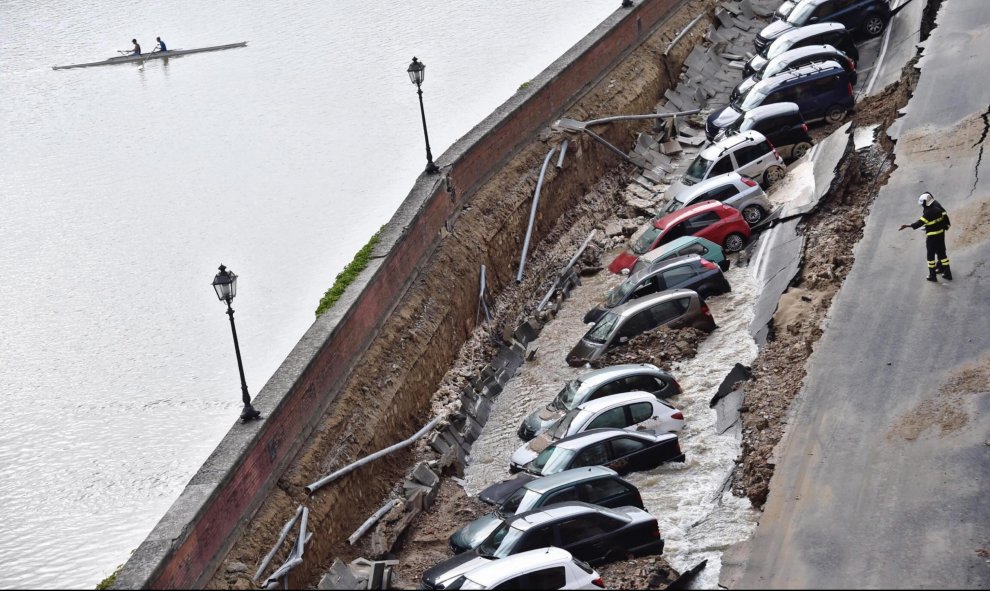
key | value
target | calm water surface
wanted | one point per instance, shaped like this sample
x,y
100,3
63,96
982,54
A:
x,y
122,188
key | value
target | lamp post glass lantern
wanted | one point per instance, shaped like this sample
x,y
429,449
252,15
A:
x,y
225,284
417,73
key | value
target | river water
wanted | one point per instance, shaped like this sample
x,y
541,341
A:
x,y
123,187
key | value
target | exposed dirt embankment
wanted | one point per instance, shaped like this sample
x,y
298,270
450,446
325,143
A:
x,y
391,393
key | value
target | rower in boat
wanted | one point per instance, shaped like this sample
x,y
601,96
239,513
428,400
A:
x,y
137,47
160,46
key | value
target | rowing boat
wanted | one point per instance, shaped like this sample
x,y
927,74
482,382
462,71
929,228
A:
x,y
123,59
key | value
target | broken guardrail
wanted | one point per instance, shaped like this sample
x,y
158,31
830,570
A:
x,y
565,273
532,215
573,125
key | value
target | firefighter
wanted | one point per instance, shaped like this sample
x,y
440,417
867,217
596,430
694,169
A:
x,y
935,220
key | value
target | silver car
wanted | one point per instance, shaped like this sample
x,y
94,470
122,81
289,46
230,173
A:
x,y
732,189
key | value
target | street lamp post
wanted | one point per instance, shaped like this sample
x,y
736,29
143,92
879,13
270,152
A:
x,y
417,72
225,284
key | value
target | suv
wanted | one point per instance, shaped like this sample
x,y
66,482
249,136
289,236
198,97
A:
x,y
712,220
686,272
783,125
795,58
635,411
596,384
595,484
821,91
833,34
732,189
675,308
749,154
684,246
859,16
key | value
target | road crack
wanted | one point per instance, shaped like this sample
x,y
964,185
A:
x,y
982,143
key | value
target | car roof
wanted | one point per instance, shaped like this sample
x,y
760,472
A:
x,y
804,51
597,377
708,184
682,214
771,110
537,517
606,402
639,304
715,150
545,484
767,85
809,31
492,572
581,440
664,265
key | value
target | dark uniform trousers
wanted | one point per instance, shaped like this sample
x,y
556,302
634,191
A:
x,y
935,245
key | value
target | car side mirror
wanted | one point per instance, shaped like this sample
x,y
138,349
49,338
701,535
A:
x,y
812,20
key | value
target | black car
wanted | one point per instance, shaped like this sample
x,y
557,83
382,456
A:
x,y
688,272
594,534
834,34
821,91
618,449
866,17
783,125
795,58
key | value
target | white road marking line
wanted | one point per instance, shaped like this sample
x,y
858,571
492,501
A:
x,y
879,60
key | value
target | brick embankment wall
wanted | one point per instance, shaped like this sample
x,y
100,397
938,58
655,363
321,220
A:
x,y
362,376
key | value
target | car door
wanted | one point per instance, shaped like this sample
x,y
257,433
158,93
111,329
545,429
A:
x,y
698,224
643,415
679,276
629,454
665,312
614,387
651,384
533,538
670,234
554,577
753,160
610,492
722,166
596,454
584,537
570,493
613,418
633,326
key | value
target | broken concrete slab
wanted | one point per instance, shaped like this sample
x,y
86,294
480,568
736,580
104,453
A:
x,y
863,137
424,475
738,373
339,577
727,410
775,263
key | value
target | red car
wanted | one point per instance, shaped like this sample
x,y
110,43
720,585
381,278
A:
x,y
709,219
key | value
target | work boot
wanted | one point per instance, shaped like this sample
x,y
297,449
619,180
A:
x,y
932,276
946,273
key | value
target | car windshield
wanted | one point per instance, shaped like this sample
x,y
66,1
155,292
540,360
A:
x,y
752,100
644,243
558,429
619,293
550,461
801,13
500,543
600,331
566,398
698,168
518,502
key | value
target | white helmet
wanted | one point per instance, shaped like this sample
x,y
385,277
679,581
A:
x,y
925,198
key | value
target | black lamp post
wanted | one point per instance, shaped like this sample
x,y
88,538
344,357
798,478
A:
x,y
225,284
417,71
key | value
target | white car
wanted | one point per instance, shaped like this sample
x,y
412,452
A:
x,y
543,568
732,189
748,153
632,411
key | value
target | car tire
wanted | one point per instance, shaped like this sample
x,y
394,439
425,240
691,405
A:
x,y
874,25
773,174
834,114
800,149
753,214
734,242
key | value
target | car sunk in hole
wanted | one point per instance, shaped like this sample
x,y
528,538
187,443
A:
x,y
634,411
599,383
618,449
834,34
783,125
543,568
733,189
791,59
684,246
596,485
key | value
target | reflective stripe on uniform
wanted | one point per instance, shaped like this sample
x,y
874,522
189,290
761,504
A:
x,y
945,262
935,233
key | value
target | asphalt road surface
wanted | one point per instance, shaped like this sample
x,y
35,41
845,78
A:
x,y
884,477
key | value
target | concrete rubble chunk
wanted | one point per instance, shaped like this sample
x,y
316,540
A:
x,y
339,577
613,229
424,475
671,147
637,192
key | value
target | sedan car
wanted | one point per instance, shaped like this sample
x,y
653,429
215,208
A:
x,y
590,533
543,568
732,189
595,484
618,449
596,384
634,411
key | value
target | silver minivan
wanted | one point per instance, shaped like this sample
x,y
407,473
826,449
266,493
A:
x,y
676,308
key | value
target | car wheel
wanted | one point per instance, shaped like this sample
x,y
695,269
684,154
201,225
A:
x,y
773,174
874,25
800,149
752,214
734,242
834,114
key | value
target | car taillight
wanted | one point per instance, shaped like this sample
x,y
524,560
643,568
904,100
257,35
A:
x,y
852,65
708,264
656,533
748,181
705,310
678,416
775,154
850,89
804,126
598,583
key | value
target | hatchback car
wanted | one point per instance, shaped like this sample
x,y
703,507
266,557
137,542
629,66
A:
x,y
749,154
683,246
833,34
783,125
676,308
635,411
595,484
543,568
590,533
795,58
596,384
620,450
867,17
733,189
710,220
821,91
687,272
